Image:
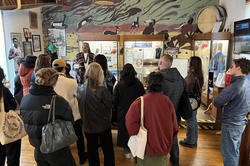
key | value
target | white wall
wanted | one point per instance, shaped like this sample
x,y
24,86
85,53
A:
x,y
236,10
15,21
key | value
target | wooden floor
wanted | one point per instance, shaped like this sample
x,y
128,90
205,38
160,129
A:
x,y
207,152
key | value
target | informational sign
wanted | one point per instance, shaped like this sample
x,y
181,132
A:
x,y
58,38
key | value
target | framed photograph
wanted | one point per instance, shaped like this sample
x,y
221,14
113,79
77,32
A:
x,y
26,33
27,48
33,20
36,40
17,36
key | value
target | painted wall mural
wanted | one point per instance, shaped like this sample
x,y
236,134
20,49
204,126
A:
x,y
174,18
86,16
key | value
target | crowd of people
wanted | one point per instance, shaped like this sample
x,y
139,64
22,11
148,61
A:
x,y
96,98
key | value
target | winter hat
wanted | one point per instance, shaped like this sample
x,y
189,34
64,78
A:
x,y
46,77
58,63
52,47
29,61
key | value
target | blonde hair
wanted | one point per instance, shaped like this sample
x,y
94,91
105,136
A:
x,y
42,61
94,75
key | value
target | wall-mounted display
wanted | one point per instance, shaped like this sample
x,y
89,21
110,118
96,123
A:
x,y
26,33
33,20
27,48
58,38
17,36
36,40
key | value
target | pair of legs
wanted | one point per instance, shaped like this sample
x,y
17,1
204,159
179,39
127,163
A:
x,y
192,131
230,143
57,158
107,148
80,142
10,151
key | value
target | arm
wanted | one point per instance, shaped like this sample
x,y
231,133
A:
x,y
11,54
116,96
225,96
133,118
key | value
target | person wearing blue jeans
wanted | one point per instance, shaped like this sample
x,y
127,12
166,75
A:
x,y
195,82
236,101
192,130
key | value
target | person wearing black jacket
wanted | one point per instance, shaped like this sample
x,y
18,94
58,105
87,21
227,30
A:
x,y
173,86
11,150
95,104
35,108
126,91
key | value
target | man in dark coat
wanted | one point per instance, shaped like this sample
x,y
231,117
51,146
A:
x,y
173,85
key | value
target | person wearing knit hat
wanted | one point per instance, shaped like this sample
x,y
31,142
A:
x,y
67,88
53,52
35,107
25,72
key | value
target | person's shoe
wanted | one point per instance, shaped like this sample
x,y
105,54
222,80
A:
x,y
184,143
127,155
83,159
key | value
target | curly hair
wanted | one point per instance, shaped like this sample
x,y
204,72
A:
x,y
154,82
243,63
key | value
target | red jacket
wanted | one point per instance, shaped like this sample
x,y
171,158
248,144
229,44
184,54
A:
x,y
159,120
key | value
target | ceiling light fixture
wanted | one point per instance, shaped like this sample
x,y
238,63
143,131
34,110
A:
x,y
104,2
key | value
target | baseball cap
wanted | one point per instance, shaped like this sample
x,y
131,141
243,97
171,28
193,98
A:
x,y
58,63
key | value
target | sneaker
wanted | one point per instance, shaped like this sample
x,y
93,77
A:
x,y
184,143
127,155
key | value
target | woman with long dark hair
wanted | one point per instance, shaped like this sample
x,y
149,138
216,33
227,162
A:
x,y
11,150
126,91
195,82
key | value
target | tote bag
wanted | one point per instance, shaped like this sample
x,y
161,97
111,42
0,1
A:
x,y
11,126
137,143
56,134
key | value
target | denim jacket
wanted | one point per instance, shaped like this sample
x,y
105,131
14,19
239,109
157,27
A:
x,y
236,98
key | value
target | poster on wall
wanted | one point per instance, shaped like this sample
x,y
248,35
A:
x,y
58,38
247,1
27,48
17,36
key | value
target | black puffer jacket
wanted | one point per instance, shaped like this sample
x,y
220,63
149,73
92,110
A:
x,y
95,108
173,86
35,109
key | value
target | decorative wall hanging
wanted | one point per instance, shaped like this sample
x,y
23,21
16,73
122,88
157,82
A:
x,y
33,20
27,48
18,36
26,33
36,40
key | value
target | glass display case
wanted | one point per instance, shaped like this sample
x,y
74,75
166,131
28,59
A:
x,y
213,49
143,55
103,44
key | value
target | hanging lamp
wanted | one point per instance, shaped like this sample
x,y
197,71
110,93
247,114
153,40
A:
x,y
106,2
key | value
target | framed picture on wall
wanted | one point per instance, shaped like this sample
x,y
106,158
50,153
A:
x,y
17,36
36,40
27,48
33,20
26,33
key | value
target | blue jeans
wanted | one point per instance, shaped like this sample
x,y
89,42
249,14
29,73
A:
x,y
192,129
174,153
230,143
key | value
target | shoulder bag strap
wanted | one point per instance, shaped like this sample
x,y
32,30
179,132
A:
x,y
51,108
54,108
142,110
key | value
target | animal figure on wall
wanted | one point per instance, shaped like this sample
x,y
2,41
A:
x,y
150,28
111,32
135,25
